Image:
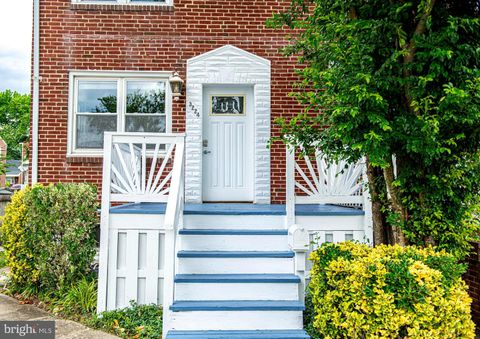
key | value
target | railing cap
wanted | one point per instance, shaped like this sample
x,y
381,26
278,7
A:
x,y
142,134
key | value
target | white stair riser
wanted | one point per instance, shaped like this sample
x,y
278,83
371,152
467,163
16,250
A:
x,y
235,265
235,242
237,320
234,221
236,291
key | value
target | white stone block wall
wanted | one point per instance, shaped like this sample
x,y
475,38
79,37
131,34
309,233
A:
x,y
227,65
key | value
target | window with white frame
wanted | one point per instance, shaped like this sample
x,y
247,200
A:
x,y
123,104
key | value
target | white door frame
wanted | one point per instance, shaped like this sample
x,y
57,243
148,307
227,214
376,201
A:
x,y
227,65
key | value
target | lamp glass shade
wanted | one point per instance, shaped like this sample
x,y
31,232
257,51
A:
x,y
176,83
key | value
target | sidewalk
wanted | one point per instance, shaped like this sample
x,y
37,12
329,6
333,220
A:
x,y
10,309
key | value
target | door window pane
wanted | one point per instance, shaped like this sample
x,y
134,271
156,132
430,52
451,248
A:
x,y
148,123
97,97
90,130
145,97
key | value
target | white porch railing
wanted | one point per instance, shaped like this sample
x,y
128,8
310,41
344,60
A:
x,y
322,182
139,167
314,180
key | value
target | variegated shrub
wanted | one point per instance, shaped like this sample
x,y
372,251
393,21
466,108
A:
x,y
388,292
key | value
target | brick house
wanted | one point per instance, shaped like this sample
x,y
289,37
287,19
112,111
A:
x,y
216,225
90,48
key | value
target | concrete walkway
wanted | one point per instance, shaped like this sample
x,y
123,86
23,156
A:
x,y
10,309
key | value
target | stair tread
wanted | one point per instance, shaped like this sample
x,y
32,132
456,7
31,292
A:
x,y
235,254
237,278
254,334
213,231
237,305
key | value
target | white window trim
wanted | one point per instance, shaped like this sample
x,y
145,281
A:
x,y
74,76
124,2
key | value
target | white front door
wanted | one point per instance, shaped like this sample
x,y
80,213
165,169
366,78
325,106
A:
x,y
228,154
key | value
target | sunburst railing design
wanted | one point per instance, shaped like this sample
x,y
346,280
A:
x,y
141,167
324,182
315,180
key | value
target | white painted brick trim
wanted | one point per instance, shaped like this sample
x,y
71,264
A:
x,y
227,65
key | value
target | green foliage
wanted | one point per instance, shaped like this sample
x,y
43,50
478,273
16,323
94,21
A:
x,y
3,259
382,78
19,242
136,321
49,236
3,166
387,292
79,299
309,317
14,121
63,218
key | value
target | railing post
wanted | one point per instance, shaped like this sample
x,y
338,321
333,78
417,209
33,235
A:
x,y
173,216
298,238
104,224
290,183
367,206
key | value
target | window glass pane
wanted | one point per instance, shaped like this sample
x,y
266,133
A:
x,y
149,124
145,97
90,130
97,96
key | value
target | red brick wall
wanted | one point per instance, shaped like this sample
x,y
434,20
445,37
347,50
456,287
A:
x,y
472,278
96,37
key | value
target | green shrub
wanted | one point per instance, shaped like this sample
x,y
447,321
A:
x,y
136,321
63,217
48,233
3,259
309,317
388,292
18,242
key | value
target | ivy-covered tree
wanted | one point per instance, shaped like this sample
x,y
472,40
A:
x,y
14,121
396,82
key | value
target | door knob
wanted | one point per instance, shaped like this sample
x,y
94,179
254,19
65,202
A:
x,y
207,152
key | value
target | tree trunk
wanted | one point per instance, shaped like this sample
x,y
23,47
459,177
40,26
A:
x,y
378,224
396,203
411,49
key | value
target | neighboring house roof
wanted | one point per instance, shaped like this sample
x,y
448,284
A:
x,y
13,168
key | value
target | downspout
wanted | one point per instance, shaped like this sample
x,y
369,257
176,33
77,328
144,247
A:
x,y
36,89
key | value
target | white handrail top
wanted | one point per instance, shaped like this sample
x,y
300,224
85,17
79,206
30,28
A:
x,y
142,134
148,138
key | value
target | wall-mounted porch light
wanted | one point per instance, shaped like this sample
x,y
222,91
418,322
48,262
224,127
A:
x,y
176,83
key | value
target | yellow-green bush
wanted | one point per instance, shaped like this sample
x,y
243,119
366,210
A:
x,y
48,233
388,292
18,242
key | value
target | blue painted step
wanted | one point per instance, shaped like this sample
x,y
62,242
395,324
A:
x,y
232,232
235,254
237,209
237,305
236,278
266,334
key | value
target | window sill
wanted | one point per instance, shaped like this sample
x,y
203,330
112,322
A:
x,y
82,159
122,7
